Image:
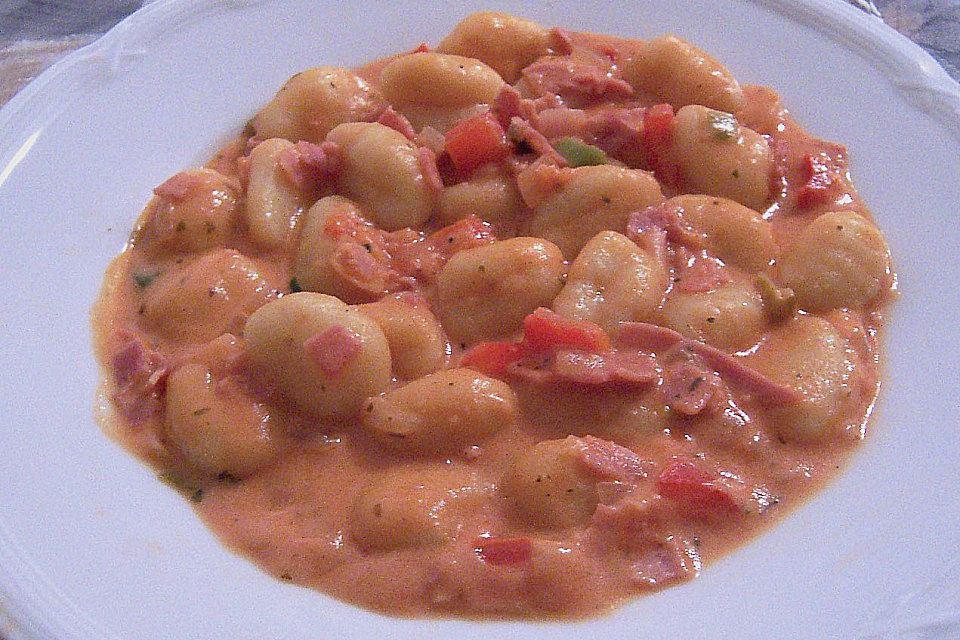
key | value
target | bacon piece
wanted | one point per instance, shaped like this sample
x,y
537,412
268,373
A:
x,y
178,186
647,336
633,368
398,122
540,145
333,350
308,165
607,460
504,552
428,166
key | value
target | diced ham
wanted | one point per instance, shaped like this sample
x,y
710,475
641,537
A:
x,y
607,460
428,166
504,552
307,165
562,42
610,368
653,227
703,275
398,122
657,567
690,389
697,490
647,336
540,179
333,350
140,375
540,145
575,81
178,186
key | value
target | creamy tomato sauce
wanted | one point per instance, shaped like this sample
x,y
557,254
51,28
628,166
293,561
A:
x,y
524,325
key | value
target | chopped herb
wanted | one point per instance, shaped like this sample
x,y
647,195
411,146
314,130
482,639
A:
x,y
226,476
368,247
723,125
197,495
711,319
144,280
286,576
200,412
210,227
181,226
578,153
295,286
481,269
735,173
606,199
142,309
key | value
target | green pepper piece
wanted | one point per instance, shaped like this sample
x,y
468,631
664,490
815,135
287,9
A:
x,y
778,302
578,153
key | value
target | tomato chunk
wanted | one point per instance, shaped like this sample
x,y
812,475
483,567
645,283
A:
x,y
504,551
684,482
658,125
546,330
475,141
491,358
824,173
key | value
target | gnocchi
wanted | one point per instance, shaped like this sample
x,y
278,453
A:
x,y
522,325
335,377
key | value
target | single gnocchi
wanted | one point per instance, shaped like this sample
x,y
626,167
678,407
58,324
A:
x,y
730,317
442,412
218,429
193,211
418,345
273,204
326,357
839,260
595,199
490,194
720,157
504,42
611,281
485,292
311,103
380,169
677,72
203,298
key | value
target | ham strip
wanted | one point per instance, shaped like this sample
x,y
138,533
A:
x,y
646,336
333,350
397,122
308,165
606,460
428,166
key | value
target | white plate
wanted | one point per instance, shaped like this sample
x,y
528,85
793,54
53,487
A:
x,y
92,546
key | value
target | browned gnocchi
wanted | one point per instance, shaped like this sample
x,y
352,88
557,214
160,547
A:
x,y
522,325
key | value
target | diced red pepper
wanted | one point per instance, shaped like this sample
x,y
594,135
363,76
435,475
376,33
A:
x,y
657,135
504,551
658,125
476,141
545,330
491,358
685,483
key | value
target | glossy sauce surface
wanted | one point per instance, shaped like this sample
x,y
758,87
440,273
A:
x,y
521,326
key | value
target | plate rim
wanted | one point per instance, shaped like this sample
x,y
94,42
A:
x,y
911,71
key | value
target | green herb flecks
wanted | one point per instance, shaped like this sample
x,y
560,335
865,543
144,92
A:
x,y
295,286
144,279
578,153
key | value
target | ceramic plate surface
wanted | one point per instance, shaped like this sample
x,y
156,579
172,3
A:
x,y
93,547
